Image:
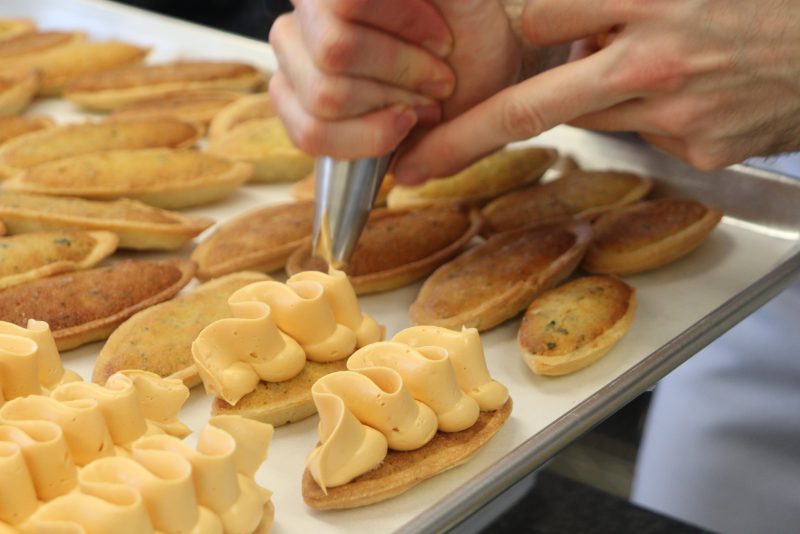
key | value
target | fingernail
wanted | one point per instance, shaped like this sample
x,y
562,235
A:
x,y
428,113
438,48
404,121
439,89
409,173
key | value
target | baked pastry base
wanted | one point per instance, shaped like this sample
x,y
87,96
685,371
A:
x,y
402,470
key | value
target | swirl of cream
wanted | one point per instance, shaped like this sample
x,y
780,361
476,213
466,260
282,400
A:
x,y
348,448
302,312
165,487
49,370
429,376
121,512
342,299
47,458
219,485
160,399
465,352
17,493
377,398
18,373
232,355
81,422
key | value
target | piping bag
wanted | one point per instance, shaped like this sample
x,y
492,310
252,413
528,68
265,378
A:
x,y
344,195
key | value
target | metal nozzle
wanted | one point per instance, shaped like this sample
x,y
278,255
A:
x,y
344,195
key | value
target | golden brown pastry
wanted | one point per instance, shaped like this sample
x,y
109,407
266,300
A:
x,y
489,177
400,246
70,59
161,177
11,127
574,325
159,339
37,255
248,107
198,107
137,225
85,306
648,235
265,145
120,87
576,193
85,138
304,189
259,240
494,281
24,46
14,27
17,89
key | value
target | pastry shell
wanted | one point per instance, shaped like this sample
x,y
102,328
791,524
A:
x,y
59,65
402,470
110,90
85,306
248,107
390,252
137,225
264,144
161,177
85,138
198,107
259,240
14,27
574,325
38,255
15,126
489,177
17,89
494,281
577,193
305,189
648,235
159,339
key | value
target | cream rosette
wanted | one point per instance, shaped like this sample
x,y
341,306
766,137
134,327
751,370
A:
x,y
276,327
396,396
167,486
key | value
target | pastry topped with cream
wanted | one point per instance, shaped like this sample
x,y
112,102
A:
x,y
428,392
259,363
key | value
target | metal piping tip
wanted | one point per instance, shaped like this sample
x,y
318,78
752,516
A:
x,y
344,195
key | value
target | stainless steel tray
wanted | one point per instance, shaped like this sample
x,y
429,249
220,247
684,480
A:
x,y
752,255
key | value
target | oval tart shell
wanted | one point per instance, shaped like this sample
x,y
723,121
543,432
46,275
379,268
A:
x,y
577,193
113,89
76,139
86,306
190,106
390,252
574,325
649,235
17,90
11,28
161,177
260,240
248,107
137,225
159,339
486,179
38,255
494,281
15,126
305,189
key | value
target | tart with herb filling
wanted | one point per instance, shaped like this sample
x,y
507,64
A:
x,y
574,325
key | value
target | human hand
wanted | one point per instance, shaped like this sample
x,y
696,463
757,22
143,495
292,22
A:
x,y
356,75
711,81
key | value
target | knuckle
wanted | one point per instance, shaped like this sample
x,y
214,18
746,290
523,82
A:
x,y
521,120
648,72
707,156
334,49
307,135
354,9
328,98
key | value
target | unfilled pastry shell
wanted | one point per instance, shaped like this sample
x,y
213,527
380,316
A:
x,y
246,108
161,177
648,235
572,326
198,107
137,225
394,235
17,89
488,284
15,126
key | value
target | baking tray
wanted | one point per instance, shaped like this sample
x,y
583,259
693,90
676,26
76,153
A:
x,y
752,255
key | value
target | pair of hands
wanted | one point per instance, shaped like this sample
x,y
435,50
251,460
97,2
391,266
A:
x,y
710,81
